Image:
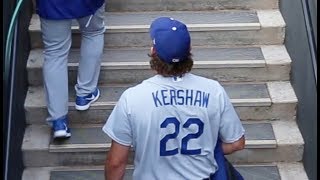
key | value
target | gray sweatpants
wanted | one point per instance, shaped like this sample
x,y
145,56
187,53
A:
x,y
56,35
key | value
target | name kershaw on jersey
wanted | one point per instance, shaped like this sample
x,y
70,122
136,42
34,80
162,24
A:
x,y
180,97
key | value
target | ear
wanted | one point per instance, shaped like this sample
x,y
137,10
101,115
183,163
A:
x,y
153,50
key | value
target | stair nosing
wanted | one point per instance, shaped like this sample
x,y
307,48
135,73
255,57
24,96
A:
x,y
269,100
284,169
279,139
197,64
250,144
272,55
35,25
260,142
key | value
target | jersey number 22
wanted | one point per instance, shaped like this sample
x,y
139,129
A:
x,y
184,141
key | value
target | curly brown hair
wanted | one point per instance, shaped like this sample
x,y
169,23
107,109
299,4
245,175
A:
x,y
170,69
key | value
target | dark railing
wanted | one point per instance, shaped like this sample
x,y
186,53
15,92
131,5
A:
x,y
311,36
9,73
16,47
9,80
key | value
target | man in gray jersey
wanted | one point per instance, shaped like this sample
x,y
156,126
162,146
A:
x,y
174,119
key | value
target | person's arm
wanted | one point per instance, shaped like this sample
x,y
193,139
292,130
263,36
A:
x,y
229,148
116,161
231,131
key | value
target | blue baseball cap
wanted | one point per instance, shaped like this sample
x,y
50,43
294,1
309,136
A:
x,y
171,39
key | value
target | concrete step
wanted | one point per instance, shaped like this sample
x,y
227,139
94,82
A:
x,y
130,65
130,29
270,171
252,101
265,142
186,5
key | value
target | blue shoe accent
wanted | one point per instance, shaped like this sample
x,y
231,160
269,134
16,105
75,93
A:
x,y
83,103
60,128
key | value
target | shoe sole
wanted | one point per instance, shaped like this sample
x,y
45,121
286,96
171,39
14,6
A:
x,y
83,108
61,134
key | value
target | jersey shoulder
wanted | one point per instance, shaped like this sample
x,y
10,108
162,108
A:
x,y
203,80
140,88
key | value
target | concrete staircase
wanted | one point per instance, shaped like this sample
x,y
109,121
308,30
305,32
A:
x,y
237,42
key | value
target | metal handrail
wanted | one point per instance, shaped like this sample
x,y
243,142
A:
x,y
9,72
311,37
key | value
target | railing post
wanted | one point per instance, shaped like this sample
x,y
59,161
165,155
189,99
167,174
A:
x,y
310,35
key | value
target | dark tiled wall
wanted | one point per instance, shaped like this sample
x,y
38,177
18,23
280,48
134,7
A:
x,y
302,78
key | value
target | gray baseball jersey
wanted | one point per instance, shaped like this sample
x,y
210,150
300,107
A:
x,y
173,125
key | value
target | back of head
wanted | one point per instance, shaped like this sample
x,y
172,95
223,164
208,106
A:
x,y
171,54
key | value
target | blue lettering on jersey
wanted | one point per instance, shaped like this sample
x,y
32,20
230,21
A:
x,y
205,99
156,99
185,139
164,97
198,98
173,97
180,97
188,97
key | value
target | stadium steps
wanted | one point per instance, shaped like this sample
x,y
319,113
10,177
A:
x,y
270,171
252,101
237,42
231,63
227,27
186,5
266,142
